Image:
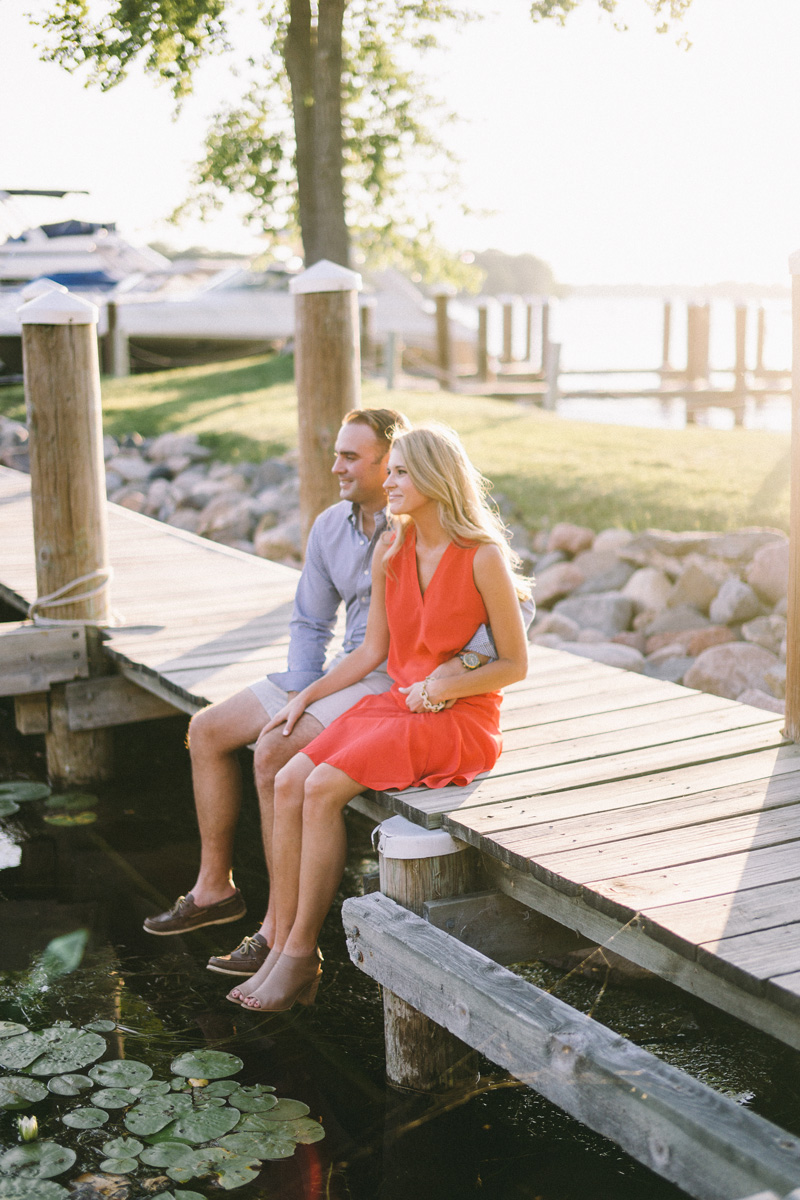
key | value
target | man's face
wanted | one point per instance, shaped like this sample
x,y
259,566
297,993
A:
x,y
360,465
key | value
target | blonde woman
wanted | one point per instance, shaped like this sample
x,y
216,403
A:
x,y
446,569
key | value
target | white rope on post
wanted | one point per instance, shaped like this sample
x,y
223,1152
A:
x,y
61,596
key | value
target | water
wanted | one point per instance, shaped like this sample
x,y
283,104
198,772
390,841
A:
x,y
503,1143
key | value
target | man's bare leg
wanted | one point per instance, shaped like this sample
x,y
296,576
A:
x,y
216,734
273,751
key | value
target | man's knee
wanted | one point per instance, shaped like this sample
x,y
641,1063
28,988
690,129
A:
x,y
273,751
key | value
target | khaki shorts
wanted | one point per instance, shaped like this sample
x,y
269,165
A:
x,y
272,698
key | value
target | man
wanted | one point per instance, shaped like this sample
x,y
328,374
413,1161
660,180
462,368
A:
x,y
337,570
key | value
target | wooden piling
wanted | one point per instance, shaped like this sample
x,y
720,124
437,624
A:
x,y
421,1056
482,370
529,306
62,396
697,341
327,374
760,337
740,366
507,353
545,334
444,357
792,729
367,316
666,337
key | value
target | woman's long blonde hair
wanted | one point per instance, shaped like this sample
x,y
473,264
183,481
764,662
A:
x,y
439,468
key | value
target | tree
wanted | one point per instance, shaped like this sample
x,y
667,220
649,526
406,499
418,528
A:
x,y
330,118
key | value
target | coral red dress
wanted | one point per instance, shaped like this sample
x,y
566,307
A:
x,y
379,742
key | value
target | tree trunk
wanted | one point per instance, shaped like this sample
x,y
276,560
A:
x,y
313,57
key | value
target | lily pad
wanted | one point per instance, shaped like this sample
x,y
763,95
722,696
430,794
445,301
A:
x,y
122,1148
223,1087
66,819
252,1099
19,1091
151,1087
236,1172
248,1144
273,1143
206,1064
167,1154
20,1051
287,1110
70,1050
145,1119
69,1085
121,1073
8,806
198,1162
114,1097
119,1166
178,1194
207,1124
24,790
85,1118
37,1160
101,1026
31,1189
12,1028
307,1131
72,801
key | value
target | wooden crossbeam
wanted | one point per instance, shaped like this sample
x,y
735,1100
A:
x,y
684,1131
33,657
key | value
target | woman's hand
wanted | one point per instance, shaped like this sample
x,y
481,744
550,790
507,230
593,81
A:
x,y
413,695
288,716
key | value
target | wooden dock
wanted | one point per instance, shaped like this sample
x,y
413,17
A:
x,y
656,821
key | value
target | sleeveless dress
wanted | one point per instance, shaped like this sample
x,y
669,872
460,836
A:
x,y
379,742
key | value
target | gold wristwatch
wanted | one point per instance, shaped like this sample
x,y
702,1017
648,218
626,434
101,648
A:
x,y
470,659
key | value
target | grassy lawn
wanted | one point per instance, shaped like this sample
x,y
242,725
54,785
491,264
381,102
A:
x,y
552,469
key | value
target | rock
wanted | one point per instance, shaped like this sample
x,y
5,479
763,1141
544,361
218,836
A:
x,y
735,601
203,491
775,679
587,636
782,607
110,447
539,542
227,516
176,464
550,560
131,467
556,582
558,624
648,588
157,494
728,670
768,632
673,620
610,612
670,650
612,540
595,562
571,539
699,640
185,518
630,638
697,585
643,546
268,521
611,580
284,541
768,573
610,653
130,497
170,445
234,479
160,471
113,482
671,669
551,640
271,473
742,544
760,699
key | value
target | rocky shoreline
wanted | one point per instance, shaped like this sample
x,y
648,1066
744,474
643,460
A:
x,y
707,610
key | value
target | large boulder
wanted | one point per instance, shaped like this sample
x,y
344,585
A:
x,y
283,543
556,623
648,588
768,573
731,669
570,539
734,602
556,582
760,699
610,612
697,584
612,580
673,620
610,653
227,518
612,539
768,632
176,445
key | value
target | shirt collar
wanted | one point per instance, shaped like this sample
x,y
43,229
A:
x,y
381,518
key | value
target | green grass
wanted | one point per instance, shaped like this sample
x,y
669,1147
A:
x,y
551,469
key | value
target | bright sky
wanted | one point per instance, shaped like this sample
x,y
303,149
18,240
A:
x,y
617,157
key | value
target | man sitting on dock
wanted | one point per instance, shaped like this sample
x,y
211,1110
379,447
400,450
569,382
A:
x,y
337,570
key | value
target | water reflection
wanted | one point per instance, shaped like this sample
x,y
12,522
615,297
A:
x,y
502,1142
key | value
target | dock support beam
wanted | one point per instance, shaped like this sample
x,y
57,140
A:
x,y
444,352
483,343
62,396
792,729
417,865
327,373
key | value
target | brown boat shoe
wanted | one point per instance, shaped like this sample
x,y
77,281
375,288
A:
x,y
245,960
186,916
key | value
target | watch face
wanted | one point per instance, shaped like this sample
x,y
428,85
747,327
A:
x,y
470,660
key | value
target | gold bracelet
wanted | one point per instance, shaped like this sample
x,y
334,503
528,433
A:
x,y
427,704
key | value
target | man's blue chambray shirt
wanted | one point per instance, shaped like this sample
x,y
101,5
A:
x,y
338,568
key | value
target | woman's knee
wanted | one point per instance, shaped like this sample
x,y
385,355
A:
x,y
289,785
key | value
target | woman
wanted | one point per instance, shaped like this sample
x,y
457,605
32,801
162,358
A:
x,y
447,569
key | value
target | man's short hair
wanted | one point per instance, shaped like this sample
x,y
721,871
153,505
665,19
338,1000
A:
x,y
382,421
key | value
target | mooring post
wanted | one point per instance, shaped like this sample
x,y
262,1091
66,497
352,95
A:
x,y
552,368
740,367
367,314
666,337
530,302
697,341
482,369
327,374
444,354
545,333
792,729
62,397
507,353
416,865
760,336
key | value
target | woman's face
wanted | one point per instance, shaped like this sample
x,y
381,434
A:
x,y
401,495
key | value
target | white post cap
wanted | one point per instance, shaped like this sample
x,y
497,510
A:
x,y
325,276
794,263
58,308
39,287
399,838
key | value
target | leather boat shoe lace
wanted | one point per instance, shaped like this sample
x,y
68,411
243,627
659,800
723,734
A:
x,y
245,960
185,915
